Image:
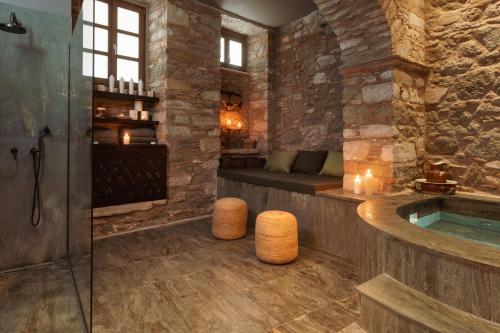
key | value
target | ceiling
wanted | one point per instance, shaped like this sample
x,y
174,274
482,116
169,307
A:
x,y
272,13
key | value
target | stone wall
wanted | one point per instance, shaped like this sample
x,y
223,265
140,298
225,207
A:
x,y
407,23
308,112
260,67
183,69
462,97
191,106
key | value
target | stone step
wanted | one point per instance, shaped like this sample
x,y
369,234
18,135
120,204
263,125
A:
x,y
388,305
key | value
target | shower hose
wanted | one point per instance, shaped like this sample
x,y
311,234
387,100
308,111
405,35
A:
x,y
37,156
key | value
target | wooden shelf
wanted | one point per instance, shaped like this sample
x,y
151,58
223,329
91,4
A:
x,y
126,97
239,151
121,121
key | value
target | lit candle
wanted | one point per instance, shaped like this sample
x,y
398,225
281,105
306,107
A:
x,y
239,125
369,182
357,184
126,139
228,123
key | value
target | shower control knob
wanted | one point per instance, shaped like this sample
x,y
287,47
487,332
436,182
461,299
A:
x,y
14,151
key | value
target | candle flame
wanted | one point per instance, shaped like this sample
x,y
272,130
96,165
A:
x,y
239,125
369,172
228,123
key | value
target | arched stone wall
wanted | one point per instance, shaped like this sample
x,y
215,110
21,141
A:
x,y
382,50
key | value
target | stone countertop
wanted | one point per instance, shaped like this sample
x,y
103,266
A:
x,y
381,213
342,194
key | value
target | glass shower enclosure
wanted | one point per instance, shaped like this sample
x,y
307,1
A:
x,y
45,170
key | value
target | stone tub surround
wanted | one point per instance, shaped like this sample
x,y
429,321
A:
x,y
405,310
460,273
308,89
463,91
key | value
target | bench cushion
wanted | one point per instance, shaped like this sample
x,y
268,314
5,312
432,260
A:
x,y
294,182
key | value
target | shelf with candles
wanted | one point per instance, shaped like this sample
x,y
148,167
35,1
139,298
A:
x,y
125,121
229,129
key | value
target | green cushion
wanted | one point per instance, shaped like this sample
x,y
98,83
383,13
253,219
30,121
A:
x,y
280,161
334,164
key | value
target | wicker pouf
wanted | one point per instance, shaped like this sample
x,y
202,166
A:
x,y
230,218
276,238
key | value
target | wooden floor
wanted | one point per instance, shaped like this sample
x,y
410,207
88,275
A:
x,y
41,299
181,279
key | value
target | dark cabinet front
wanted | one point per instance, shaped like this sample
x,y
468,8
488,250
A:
x,y
124,174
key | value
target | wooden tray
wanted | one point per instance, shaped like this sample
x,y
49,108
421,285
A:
x,y
424,186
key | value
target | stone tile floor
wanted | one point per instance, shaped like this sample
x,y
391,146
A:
x,y
181,279
40,299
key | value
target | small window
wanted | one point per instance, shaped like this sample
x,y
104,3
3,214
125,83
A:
x,y
233,50
114,30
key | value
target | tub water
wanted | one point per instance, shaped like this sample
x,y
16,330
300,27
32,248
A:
x,y
472,228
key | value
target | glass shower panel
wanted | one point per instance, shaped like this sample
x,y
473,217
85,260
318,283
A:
x,y
79,164
37,166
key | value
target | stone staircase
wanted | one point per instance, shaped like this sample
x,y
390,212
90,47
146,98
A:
x,y
388,306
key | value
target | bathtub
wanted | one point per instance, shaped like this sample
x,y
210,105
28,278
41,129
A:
x,y
462,270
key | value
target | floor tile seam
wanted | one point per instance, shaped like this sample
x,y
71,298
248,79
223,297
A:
x,y
308,312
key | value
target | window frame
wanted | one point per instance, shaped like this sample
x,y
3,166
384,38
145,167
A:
x,y
113,31
229,35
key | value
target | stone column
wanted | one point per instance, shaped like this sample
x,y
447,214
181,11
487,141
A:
x,y
183,69
260,67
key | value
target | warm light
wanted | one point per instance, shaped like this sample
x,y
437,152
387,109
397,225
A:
x,y
369,182
228,123
357,184
126,139
239,125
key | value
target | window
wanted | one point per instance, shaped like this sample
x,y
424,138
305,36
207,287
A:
x,y
116,39
233,50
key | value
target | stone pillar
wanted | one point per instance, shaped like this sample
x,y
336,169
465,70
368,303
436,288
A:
x,y
368,130
382,49
260,68
183,69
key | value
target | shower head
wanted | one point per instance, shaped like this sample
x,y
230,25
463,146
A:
x,y
14,26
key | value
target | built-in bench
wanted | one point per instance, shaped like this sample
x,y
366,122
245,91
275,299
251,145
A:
x,y
294,182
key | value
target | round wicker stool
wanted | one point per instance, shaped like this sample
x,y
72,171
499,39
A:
x,y
230,218
276,238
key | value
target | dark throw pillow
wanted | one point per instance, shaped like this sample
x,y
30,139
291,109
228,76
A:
x,y
309,162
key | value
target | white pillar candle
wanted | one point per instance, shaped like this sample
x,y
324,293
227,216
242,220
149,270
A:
x,y
138,105
111,83
369,182
126,139
144,115
140,89
357,184
131,86
122,85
